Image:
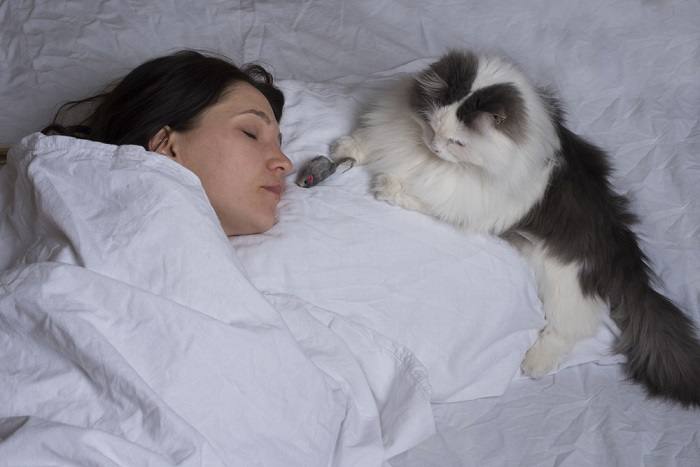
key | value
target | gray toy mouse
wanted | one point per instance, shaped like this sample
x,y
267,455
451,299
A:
x,y
318,169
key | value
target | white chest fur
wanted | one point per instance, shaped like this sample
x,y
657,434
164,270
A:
x,y
390,143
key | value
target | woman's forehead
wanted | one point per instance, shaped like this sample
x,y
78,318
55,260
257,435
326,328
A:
x,y
243,98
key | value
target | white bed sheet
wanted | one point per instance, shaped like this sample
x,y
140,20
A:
x,y
586,416
627,71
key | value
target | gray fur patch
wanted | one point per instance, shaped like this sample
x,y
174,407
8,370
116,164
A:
x,y
503,103
581,219
446,81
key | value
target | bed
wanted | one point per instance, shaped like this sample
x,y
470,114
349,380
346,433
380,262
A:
x,y
353,332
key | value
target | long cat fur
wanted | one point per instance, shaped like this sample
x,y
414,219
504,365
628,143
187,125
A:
x,y
470,141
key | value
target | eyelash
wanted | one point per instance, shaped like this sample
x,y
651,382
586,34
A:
x,y
249,135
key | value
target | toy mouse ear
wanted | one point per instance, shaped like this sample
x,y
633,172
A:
x,y
305,181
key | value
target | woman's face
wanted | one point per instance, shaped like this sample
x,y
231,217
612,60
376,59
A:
x,y
235,152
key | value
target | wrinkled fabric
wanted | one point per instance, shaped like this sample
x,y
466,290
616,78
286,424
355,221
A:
x,y
131,336
627,72
466,305
588,416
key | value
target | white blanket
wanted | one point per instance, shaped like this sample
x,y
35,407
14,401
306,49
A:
x,y
130,335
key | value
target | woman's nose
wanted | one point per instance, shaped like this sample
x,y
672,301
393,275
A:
x,y
280,161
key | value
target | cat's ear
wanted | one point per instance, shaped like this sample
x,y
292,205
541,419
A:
x,y
431,82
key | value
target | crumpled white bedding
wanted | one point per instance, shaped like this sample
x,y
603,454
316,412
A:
x,y
131,336
627,72
465,304
585,416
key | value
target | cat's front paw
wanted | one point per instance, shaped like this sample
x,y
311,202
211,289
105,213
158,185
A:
x,y
389,189
543,356
346,147
386,188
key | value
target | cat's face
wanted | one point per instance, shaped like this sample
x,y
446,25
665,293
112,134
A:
x,y
470,112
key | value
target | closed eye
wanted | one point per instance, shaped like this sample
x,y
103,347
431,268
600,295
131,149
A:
x,y
249,134
456,141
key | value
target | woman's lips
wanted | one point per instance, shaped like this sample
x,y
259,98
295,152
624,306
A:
x,y
276,189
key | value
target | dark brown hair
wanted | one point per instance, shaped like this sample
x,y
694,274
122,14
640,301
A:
x,y
172,90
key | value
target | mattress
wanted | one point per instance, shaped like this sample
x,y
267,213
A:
x,y
405,335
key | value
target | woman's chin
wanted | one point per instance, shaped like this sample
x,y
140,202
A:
x,y
251,228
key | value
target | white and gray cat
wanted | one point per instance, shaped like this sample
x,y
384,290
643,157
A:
x,y
470,141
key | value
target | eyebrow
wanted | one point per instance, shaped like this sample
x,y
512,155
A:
x,y
259,113
262,115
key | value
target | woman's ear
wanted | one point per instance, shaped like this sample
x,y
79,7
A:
x,y
162,142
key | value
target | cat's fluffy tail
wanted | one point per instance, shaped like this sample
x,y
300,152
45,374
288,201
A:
x,y
660,343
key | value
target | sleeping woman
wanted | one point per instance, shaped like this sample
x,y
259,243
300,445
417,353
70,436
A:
x,y
217,120
129,332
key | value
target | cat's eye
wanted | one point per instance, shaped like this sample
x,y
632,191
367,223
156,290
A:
x,y
498,119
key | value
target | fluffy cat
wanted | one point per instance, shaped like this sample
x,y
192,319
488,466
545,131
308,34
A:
x,y
470,141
